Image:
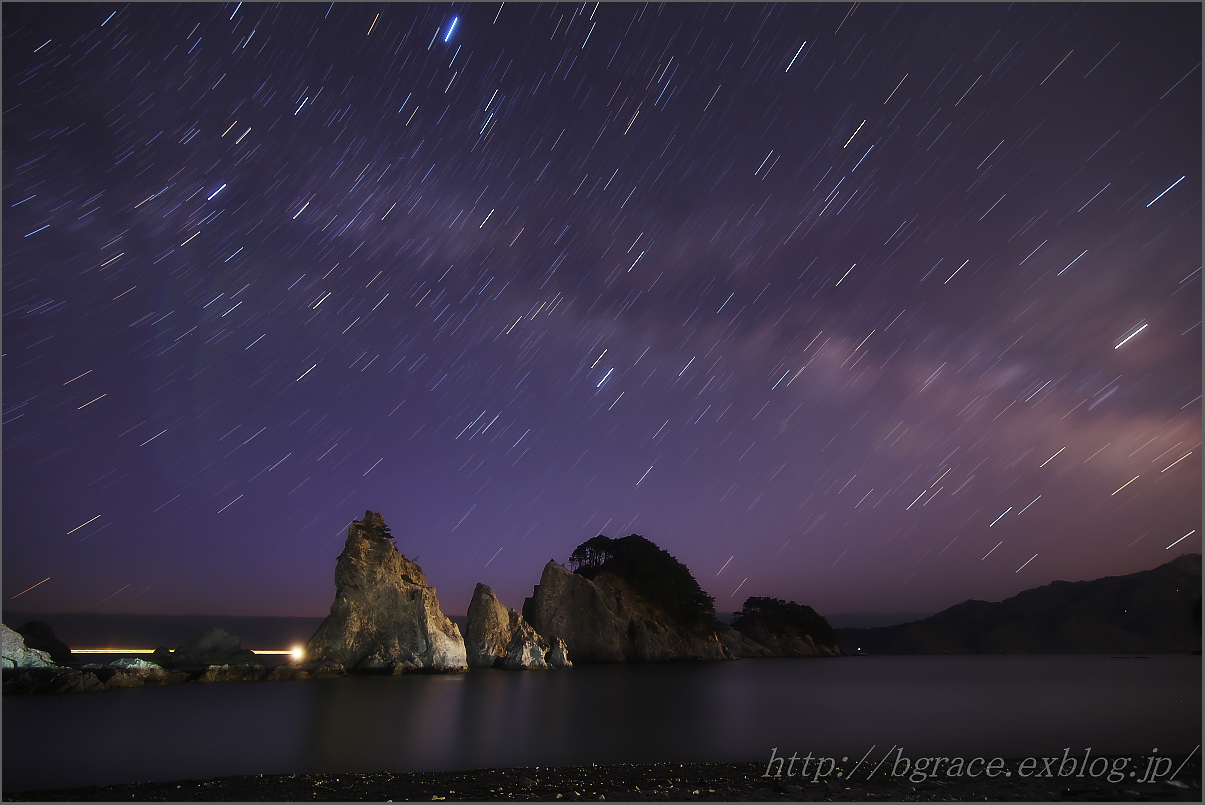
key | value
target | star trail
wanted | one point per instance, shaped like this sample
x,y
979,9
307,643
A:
x,y
873,307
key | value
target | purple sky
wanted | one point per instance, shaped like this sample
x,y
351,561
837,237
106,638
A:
x,y
832,302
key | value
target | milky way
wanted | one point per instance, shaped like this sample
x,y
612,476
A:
x,y
873,307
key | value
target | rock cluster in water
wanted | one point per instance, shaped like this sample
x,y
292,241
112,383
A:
x,y
606,620
215,656
629,601
498,637
385,616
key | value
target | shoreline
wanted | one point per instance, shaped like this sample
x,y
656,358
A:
x,y
674,782
83,676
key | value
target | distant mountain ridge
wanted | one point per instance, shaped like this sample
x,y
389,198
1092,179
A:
x,y
1146,612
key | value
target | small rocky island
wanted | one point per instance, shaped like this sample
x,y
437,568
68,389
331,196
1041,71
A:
x,y
385,616
626,600
630,601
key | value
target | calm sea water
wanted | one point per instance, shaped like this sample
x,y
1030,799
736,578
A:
x,y
1009,706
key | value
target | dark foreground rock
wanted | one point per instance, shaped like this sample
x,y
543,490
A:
x,y
786,628
215,647
89,678
674,782
38,635
385,616
214,656
94,676
19,655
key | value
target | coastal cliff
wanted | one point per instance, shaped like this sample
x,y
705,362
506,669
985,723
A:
x,y
630,601
385,616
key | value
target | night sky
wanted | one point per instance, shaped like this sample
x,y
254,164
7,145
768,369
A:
x,y
873,307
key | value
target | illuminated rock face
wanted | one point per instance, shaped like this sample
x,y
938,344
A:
x,y
498,637
385,617
135,673
558,657
581,613
18,655
39,635
526,649
489,630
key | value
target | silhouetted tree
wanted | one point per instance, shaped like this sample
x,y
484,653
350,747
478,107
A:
x,y
591,554
777,615
651,571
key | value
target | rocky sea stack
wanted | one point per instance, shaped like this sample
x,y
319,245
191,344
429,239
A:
x,y
385,616
498,637
630,600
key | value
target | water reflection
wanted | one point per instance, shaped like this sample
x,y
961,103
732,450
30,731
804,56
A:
x,y
369,724
1011,706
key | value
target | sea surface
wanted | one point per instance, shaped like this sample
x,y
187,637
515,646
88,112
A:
x,y
1007,706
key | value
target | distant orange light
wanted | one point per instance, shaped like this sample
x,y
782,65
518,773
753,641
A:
x,y
297,652
112,651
